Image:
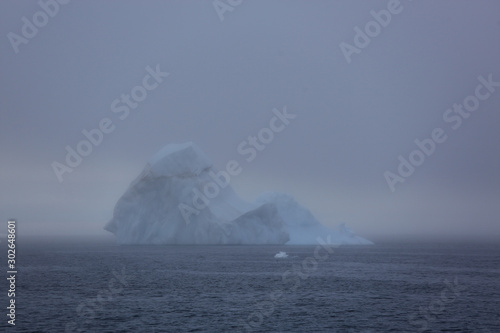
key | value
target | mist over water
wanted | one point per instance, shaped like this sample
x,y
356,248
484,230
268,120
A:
x,y
394,134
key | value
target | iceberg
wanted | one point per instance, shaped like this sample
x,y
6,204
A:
x,y
181,198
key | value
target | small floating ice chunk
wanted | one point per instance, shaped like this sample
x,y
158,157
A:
x,y
281,255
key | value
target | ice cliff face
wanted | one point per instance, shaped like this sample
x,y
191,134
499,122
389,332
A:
x,y
180,198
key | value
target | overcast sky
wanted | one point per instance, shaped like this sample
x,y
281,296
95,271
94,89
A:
x,y
358,107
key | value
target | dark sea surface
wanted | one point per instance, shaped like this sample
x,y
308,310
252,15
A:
x,y
389,287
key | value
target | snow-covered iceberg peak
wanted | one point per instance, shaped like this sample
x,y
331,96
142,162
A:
x,y
181,160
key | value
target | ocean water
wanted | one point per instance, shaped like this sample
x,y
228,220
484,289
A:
x,y
389,287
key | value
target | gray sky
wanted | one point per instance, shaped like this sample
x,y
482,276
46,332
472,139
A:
x,y
225,77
